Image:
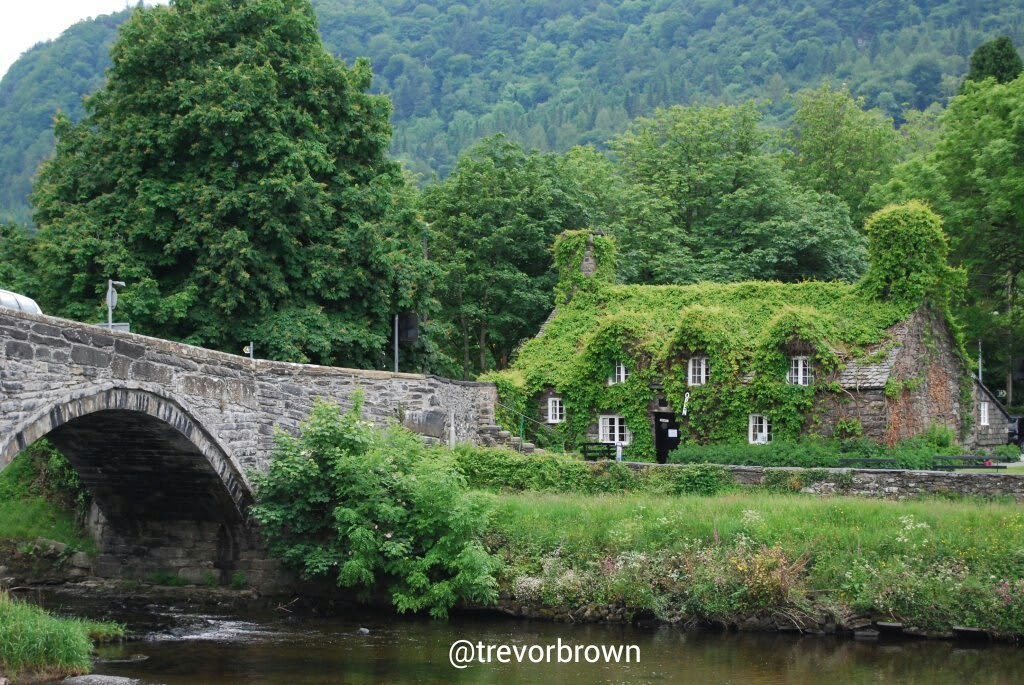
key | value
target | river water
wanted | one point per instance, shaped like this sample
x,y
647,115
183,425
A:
x,y
275,647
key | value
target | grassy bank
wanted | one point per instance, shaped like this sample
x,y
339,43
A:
x,y
930,564
34,641
40,497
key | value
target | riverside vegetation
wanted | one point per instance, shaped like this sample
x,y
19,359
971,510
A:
x,y
32,640
41,498
438,527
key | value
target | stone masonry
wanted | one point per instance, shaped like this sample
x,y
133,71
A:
x,y
164,434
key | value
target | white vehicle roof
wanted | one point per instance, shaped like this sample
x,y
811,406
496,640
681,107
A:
x,y
18,302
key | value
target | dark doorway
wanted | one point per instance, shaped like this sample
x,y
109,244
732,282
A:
x,y
666,434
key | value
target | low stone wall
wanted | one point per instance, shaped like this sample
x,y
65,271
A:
x,y
896,484
884,483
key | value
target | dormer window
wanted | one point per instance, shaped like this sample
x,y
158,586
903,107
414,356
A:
x,y
556,410
619,375
698,371
800,371
759,429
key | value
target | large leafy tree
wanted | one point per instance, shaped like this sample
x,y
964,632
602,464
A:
x,y
998,59
493,221
711,200
978,159
235,175
15,266
974,179
839,147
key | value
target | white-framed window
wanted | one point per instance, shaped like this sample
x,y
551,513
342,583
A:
x,y
556,410
612,429
619,375
800,371
697,371
759,429
983,410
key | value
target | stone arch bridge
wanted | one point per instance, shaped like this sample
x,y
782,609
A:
x,y
163,434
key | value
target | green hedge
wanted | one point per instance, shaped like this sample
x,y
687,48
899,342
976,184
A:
x,y
500,469
916,453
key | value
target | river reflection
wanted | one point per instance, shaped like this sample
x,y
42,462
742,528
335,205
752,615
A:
x,y
183,648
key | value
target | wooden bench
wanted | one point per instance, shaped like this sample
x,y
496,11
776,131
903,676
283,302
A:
x,y
869,462
592,451
968,461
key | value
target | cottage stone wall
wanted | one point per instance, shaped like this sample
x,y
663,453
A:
x,y
998,428
924,390
867,406
928,371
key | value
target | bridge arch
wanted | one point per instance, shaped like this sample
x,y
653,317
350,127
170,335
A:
x,y
168,496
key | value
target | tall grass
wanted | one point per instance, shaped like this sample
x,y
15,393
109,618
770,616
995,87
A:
x,y
33,640
935,563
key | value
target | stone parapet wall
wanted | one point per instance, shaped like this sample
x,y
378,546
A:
x,y
46,362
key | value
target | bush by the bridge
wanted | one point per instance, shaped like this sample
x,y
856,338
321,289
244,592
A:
x,y
375,509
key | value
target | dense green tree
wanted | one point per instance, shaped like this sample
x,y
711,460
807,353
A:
x,y
15,264
998,59
234,174
493,221
974,179
908,252
713,201
839,148
978,158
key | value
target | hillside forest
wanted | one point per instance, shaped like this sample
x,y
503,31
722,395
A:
x,y
721,141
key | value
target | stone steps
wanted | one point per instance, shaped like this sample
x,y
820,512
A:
x,y
495,436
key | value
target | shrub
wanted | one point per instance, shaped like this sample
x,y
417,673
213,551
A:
x,y
238,581
373,508
166,578
805,453
695,479
914,453
496,469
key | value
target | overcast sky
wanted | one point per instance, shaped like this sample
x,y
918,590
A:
x,y
23,23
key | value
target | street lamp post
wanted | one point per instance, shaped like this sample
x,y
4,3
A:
x,y
112,301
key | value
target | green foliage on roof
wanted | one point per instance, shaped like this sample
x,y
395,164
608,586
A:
x,y
748,331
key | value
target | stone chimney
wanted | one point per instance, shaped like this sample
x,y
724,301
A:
x,y
584,259
588,267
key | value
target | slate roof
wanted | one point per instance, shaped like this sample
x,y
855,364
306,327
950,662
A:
x,y
868,376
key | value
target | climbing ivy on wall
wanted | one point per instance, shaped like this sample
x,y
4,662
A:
x,y
908,252
570,248
748,331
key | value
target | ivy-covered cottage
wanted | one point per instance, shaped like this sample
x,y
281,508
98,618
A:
x,y
652,366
